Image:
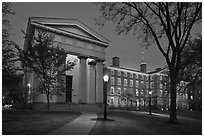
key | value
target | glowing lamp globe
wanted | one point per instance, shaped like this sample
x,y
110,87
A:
x,y
105,78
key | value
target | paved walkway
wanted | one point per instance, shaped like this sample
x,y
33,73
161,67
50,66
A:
x,y
80,126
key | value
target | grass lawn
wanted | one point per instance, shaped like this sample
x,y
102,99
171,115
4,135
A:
x,y
28,122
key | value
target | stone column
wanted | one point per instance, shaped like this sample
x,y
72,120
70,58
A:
x,y
99,81
92,83
82,80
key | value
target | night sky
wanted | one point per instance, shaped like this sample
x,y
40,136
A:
x,y
124,46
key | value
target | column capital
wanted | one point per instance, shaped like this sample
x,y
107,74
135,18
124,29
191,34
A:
x,y
82,57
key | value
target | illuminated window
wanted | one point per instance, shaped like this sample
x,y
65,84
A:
x,y
160,77
112,100
112,81
136,92
160,85
125,82
112,90
136,84
119,91
131,83
119,81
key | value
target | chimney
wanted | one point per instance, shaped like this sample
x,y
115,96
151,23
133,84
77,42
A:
x,y
116,62
143,67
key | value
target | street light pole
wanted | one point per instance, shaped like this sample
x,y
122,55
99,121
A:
x,y
105,78
150,111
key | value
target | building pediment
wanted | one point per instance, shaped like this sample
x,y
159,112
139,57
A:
x,y
71,27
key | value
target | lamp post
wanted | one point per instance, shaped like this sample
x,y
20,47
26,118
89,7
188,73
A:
x,y
150,111
105,78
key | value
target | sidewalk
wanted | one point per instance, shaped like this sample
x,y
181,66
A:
x,y
80,126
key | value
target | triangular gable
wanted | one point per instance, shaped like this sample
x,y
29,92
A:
x,y
71,26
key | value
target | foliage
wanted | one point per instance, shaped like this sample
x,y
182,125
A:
x,y
47,60
10,79
126,96
154,22
191,62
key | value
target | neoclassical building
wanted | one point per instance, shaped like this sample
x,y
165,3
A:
x,y
85,82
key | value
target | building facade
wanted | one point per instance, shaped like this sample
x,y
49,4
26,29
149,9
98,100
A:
x,y
84,84
138,83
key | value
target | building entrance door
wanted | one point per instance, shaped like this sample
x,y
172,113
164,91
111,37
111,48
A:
x,y
69,88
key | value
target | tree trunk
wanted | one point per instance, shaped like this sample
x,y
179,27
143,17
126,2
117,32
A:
x,y
48,103
173,113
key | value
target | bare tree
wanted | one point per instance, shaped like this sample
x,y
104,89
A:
x,y
152,23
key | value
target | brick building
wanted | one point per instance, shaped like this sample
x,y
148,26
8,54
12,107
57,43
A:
x,y
138,83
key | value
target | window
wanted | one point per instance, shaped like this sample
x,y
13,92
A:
x,y
112,72
136,92
136,84
125,74
160,77
160,85
131,75
152,77
119,81
119,101
152,85
147,84
112,90
119,91
142,78
131,83
142,92
124,89
136,76
161,92
125,82
112,100
112,81
142,84
145,77
119,73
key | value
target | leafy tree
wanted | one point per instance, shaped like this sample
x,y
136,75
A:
x,y
9,56
46,60
127,96
152,23
191,64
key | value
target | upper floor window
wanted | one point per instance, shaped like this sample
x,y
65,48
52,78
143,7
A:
x,y
125,74
131,83
112,81
136,76
119,81
136,84
125,89
152,77
119,73
160,77
125,82
112,72
131,75
142,77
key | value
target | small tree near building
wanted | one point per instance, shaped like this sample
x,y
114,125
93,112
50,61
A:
x,y
46,60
